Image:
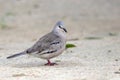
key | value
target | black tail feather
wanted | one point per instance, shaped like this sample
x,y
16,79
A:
x,y
15,55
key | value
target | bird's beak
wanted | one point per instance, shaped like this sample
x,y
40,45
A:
x,y
65,30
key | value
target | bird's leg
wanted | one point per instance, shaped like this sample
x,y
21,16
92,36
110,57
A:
x,y
50,64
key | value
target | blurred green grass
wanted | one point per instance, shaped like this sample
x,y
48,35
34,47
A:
x,y
70,46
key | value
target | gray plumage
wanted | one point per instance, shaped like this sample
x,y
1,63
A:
x,y
48,46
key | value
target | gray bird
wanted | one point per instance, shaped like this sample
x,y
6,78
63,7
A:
x,y
48,46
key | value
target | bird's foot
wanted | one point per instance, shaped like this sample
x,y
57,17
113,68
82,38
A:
x,y
50,64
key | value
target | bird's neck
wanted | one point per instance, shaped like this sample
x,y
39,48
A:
x,y
60,33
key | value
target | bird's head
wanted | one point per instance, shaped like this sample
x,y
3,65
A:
x,y
59,27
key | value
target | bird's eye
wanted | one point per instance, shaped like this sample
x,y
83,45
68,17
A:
x,y
60,27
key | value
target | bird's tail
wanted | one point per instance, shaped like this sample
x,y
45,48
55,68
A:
x,y
15,55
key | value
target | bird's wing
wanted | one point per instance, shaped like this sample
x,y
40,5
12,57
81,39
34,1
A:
x,y
46,43
53,47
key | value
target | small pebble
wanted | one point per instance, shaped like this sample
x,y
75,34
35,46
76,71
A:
x,y
117,72
109,51
116,59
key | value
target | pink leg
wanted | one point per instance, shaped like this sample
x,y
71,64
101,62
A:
x,y
50,64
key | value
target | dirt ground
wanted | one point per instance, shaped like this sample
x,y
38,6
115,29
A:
x,y
93,26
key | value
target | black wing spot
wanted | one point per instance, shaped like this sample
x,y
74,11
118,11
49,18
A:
x,y
49,52
27,51
54,43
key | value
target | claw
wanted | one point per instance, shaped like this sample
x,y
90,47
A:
x,y
50,64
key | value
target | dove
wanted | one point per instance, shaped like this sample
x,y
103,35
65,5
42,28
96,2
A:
x,y
49,46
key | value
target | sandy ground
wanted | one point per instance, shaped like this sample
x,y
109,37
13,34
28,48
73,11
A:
x,y
94,24
90,60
